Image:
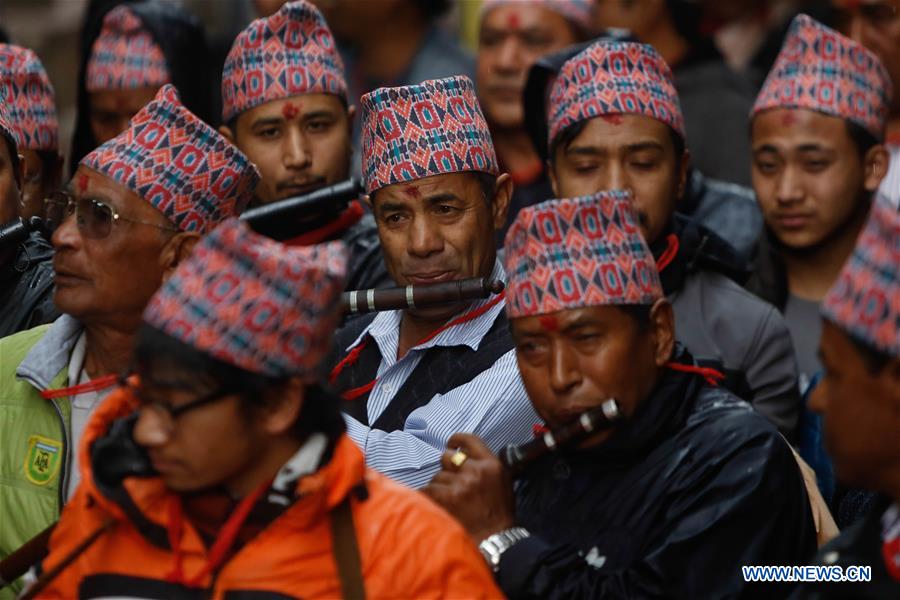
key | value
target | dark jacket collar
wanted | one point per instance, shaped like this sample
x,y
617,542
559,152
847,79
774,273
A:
x,y
699,249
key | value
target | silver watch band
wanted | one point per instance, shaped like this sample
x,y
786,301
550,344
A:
x,y
493,547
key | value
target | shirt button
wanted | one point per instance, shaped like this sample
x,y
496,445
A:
x,y
830,558
388,388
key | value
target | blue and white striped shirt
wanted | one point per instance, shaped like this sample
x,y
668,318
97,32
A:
x,y
493,406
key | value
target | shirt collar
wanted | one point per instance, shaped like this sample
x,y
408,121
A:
x,y
50,355
385,327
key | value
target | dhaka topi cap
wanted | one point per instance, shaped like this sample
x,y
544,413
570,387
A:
x,y
28,99
821,70
287,54
578,252
125,56
417,131
865,299
183,167
611,77
254,303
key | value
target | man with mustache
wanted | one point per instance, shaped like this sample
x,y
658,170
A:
x,y
512,37
132,213
615,122
413,377
285,106
675,498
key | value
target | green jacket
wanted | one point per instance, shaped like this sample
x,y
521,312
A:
x,y
35,445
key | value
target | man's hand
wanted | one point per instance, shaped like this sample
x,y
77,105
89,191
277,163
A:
x,y
477,491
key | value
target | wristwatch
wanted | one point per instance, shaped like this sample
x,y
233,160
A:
x,y
493,547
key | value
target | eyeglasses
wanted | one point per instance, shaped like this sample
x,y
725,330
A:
x,y
94,217
167,414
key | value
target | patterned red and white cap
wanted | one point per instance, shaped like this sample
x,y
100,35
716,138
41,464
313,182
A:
x,y
287,54
6,128
29,99
179,164
865,299
254,303
578,252
611,77
125,56
578,12
416,131
819,69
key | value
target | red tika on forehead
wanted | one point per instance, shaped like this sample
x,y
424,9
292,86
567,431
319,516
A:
x,y
82,183
549,323
290,110
788,119
613,119
412,191
512,21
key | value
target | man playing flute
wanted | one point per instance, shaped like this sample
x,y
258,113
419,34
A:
x,y
671,503
411,378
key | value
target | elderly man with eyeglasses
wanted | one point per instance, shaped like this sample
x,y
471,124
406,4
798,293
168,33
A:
x,y
140,203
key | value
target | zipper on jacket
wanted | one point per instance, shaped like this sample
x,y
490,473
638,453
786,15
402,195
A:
x,y
63,470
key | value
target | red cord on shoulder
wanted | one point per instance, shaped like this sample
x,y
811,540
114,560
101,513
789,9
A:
x,y
712,376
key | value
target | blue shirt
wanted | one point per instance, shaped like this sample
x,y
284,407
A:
x,y
493,405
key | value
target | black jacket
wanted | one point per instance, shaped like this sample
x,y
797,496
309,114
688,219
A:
x,y
182,39
691,488
860,545
26,288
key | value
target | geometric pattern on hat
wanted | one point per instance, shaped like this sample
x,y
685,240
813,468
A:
x,y
252,302
865,299
29,99
819,69
417,131
611,77
179,164
578,12
287,54
578,252
125,56
6,128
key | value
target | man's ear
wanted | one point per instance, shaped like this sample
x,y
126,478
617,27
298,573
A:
x,y
662,320
502,196
281,413
176,250
684,170
875,165
227,133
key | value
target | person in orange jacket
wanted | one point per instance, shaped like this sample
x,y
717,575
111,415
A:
x,y
222,466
